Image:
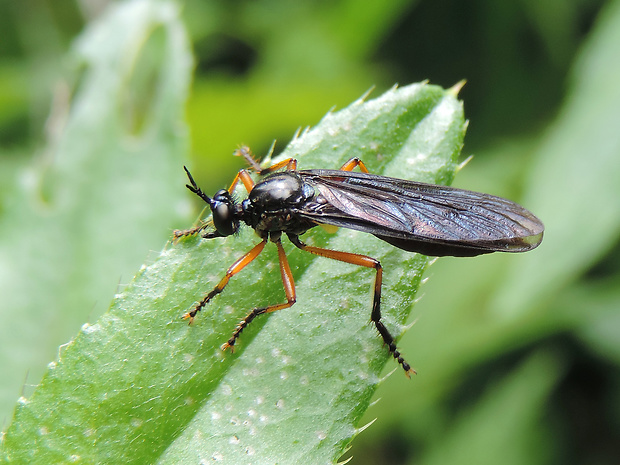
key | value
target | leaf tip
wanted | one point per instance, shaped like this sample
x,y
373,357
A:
x,y
464,163
366,426
409,326
456,88
365,95
345,462
389,374
270,152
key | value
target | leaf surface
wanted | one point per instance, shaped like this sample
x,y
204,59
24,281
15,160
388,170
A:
x,y
142,386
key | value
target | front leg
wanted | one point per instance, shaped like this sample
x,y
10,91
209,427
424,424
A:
x,y
233,270
179,233
289,289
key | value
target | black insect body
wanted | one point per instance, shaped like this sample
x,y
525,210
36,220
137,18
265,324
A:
x,y
417,217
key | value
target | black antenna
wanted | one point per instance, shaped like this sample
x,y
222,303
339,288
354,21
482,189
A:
x,y
195,189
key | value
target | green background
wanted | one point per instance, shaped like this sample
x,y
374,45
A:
x,y
517,355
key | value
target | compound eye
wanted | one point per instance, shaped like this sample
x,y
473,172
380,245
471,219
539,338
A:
x,y
223,218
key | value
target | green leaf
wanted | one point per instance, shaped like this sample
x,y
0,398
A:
x,y
574,185
507,424
141,385
105,193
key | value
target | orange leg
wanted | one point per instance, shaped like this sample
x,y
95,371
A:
x,y
289,289
352,164
290,164
244,175
245,152
245,178
233,270
375,316
248,182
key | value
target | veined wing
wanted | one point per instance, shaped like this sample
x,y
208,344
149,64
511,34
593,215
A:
x,y
419,217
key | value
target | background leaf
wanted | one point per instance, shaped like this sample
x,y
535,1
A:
x,y
99,198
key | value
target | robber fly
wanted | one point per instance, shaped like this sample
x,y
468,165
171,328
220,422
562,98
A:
x,y
413,216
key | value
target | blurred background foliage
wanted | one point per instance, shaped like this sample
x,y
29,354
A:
x,y
518,356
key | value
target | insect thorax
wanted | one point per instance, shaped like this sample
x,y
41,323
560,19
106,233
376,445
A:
x,y
272,203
